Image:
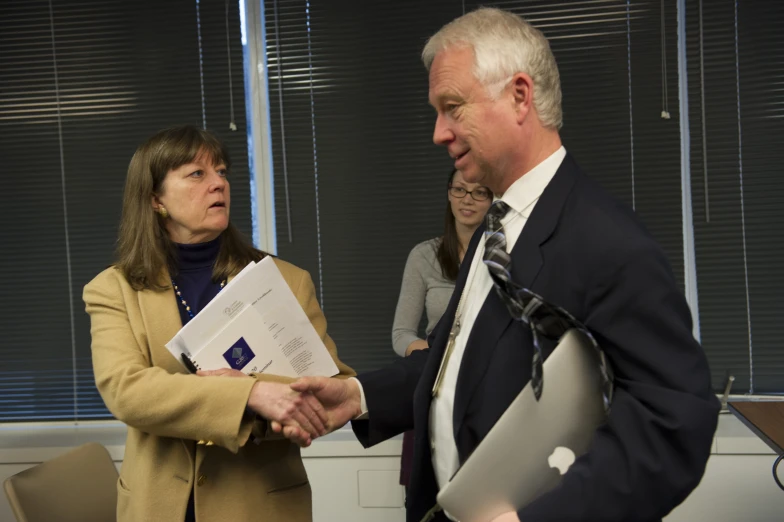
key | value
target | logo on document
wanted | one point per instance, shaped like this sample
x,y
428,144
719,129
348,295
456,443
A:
x,y
232,309
561,458
239,354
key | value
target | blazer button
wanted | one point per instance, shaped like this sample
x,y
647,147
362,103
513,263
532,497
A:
x,y
201,480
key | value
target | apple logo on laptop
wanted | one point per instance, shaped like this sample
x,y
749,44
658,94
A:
x,y
561,458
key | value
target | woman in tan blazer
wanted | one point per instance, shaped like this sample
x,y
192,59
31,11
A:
x,y
199,447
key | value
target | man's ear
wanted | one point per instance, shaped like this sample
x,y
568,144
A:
x,y
522,87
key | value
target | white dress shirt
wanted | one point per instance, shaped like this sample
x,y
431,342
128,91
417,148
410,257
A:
x,y
521,197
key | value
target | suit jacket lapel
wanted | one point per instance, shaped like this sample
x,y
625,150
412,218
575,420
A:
x,y
444,325
423,393
494,318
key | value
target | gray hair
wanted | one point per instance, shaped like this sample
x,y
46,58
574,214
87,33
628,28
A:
x,y
504,44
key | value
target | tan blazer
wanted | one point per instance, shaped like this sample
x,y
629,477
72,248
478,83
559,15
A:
x,y
168,410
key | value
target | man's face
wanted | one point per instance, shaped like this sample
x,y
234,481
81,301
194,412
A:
x,y
477,131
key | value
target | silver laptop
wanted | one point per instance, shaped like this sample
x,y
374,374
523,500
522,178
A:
x,y
533,443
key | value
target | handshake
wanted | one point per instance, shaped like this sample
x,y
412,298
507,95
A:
x,y
308,408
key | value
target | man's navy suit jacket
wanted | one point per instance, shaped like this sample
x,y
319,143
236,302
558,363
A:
x,y
588,253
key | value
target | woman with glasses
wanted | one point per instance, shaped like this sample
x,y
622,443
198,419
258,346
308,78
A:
x,y
430,274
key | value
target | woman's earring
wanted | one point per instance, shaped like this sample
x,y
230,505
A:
x,y
163,212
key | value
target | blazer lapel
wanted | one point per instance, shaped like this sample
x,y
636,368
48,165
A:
x,y
494,318
161,322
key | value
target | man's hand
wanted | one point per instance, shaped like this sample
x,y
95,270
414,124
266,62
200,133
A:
x,y
339,397
510,516
300,417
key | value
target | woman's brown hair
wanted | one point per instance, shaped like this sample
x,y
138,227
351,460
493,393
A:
x,y
448,251
144,249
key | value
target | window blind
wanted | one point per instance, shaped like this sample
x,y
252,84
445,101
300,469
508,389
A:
x,y
82,84
735,115
358,181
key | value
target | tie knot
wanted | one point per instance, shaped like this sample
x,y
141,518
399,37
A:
x,y
495,213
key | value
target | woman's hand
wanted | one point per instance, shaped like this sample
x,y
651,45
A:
x,y
419,344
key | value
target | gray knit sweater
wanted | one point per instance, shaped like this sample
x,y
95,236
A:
x,y
423,288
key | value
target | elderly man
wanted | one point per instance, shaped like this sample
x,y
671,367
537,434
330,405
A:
x,y
495,87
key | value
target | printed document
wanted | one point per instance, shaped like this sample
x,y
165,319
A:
x,y
255,325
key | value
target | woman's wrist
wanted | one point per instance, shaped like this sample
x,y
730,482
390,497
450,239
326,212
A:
x,y
419,344
254,397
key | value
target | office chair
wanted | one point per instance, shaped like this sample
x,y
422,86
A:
x,y
78,486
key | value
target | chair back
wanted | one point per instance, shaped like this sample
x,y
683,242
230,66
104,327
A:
x,y
78,486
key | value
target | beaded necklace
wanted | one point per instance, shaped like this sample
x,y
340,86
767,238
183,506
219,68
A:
x,y
182,299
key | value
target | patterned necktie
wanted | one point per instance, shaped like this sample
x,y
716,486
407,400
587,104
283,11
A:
x,y
526,306
496,257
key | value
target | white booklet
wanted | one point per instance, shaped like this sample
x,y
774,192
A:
x,y
255,325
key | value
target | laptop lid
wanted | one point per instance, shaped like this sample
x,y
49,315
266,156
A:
x,y
534,442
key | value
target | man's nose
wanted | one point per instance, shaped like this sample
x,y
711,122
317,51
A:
x,y
442,134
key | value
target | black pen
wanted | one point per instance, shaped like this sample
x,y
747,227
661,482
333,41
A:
x,y
188,363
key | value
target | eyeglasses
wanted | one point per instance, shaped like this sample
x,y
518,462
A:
x,y
478,194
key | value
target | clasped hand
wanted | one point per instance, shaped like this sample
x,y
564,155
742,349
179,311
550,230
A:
x,y
307,408
311,407
298,415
